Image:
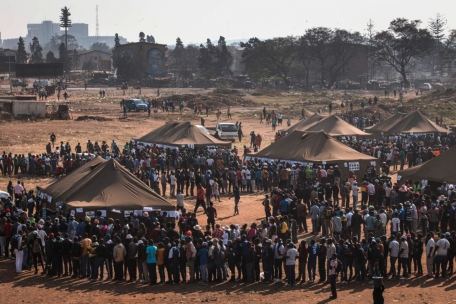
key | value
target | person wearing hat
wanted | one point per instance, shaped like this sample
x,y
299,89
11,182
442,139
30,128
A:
x,y
290,262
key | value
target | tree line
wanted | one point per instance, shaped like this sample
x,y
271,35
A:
x,y
323,55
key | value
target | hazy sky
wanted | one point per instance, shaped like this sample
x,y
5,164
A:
x,y
197,20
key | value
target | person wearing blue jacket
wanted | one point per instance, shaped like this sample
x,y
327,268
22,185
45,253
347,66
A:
x,y
203,257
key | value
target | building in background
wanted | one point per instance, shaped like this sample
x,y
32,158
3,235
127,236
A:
x,y
46,29
153,54
92,60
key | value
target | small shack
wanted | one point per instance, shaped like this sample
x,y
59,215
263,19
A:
x,y
23,106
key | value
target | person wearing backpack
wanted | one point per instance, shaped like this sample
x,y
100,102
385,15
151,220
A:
x,y
36,248
16,242
334,268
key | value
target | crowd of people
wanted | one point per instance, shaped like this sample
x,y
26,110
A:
x,y
359,229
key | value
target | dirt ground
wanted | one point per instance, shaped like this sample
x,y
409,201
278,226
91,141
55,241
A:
x,y
25,136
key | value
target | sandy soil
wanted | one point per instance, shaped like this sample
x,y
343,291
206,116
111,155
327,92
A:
x,y
24,136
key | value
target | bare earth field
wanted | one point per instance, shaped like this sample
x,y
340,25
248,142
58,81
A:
x,y
25,136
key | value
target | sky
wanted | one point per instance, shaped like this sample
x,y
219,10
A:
x,y
196,20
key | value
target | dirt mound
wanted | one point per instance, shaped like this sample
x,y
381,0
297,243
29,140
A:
x,y
214,101
97,118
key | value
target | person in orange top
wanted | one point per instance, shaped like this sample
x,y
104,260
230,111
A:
x,y
161,262
200,197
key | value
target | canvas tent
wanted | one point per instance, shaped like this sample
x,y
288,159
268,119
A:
x,y
414,123
303,124
62,185
439,169
377,130
335,126
317,148
110,187
179,134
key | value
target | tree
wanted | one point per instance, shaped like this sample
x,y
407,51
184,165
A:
x,y
116,40
370,36
215,60
36,55
141,37
434,62
65,22
270,58
224,58
130,68
65,58
150,39
100,46
402,42
50,57
21,56
183,60
54,44
330,52
179,43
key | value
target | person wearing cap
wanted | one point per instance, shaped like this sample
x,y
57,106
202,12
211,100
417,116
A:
x,y
290,263
441,256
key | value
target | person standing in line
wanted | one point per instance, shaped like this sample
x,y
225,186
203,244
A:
x,y
290,263
151,260
430,245
18,250
119,254
333,265
441,258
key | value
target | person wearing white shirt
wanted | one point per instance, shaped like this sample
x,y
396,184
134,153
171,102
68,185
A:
x,y
394,254
355,194
395,224
172,179
430,245
180,200
18,251
403,256
441,249
383,219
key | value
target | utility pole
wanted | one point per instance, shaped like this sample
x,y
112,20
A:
x,y
97,33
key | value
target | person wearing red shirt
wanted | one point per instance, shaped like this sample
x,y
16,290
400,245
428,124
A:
x,y
7,229
200,196
302,259
211,215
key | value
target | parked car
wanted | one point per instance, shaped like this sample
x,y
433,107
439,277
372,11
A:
x,y
426,86
227,130
40,83
18,83
135,105
202,128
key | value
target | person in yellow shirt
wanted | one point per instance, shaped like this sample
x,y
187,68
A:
x,y
161,262
85,247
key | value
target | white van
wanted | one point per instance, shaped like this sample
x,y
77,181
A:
x,y
227,130
426,86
